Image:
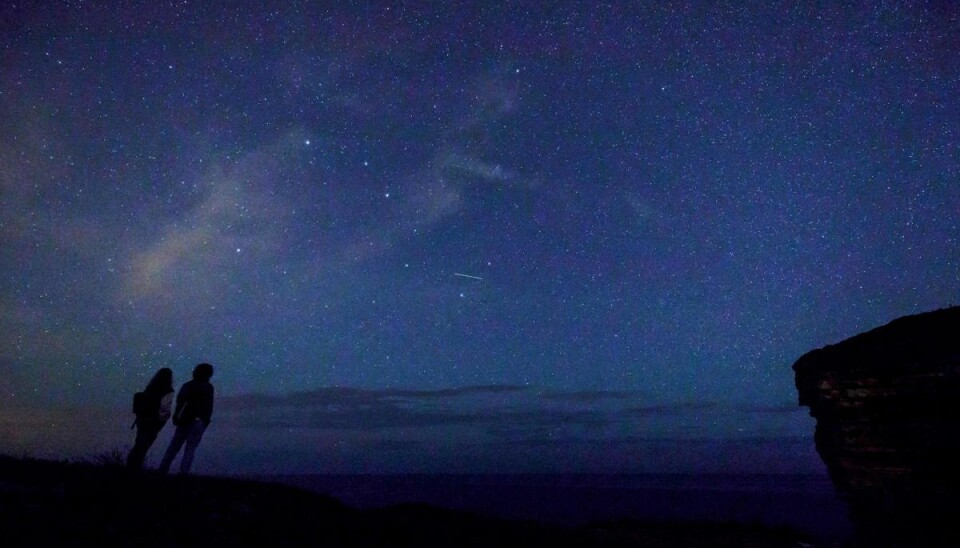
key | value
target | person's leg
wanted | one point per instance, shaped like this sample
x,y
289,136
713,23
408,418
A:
x,y
194,435
135,457
179,436
146,435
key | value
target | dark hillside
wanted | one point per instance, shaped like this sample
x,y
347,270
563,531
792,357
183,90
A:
x,y
50,503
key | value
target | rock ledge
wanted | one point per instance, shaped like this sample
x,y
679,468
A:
x,y
887,404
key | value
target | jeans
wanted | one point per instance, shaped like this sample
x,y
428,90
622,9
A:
x,y
191,433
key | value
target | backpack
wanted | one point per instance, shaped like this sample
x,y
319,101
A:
x,y
143,404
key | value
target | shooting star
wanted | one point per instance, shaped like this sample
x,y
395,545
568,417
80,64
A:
x,y
467,276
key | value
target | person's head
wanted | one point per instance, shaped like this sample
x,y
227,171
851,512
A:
x,y
163,378
203,372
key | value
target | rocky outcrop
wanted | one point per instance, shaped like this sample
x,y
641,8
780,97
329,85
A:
x,y
887,405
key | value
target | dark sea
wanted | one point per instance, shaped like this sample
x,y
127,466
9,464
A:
x,y
806,503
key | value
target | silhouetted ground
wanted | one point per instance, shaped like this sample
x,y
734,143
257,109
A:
x,y
59,504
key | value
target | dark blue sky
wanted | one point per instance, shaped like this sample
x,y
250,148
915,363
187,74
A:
x,y
414,236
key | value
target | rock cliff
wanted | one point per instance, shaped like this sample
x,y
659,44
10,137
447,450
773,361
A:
x,y
887,405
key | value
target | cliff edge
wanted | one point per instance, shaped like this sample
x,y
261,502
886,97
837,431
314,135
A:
x,y
887,405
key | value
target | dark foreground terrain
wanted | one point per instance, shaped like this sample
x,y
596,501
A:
x,y
52,503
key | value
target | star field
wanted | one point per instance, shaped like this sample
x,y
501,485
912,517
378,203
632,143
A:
x,y
626,221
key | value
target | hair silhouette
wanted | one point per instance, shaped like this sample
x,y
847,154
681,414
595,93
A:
x,y
162,381
203,372
152,412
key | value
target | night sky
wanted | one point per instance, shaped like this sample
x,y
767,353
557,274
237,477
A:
x,y
439,236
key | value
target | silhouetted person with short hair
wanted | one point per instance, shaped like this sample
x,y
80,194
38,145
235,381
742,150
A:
x,y
152,407
192,416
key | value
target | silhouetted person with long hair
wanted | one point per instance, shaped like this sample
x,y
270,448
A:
x,y
152,407
192,416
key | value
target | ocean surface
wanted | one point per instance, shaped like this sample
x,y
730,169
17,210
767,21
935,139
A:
x,y
804,502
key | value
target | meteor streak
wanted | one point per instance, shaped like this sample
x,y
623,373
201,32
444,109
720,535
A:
x,y
467,276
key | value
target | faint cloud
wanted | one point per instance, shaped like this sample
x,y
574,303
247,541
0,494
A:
x,y
592,396
363,397
358,409
153,270
671,409
201,251
494,412
439,189
430,198
471,167
785,409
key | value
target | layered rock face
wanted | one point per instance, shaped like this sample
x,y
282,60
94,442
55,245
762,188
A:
x,y
887,404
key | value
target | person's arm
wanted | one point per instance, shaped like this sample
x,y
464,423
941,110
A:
x,y
165,402
208,407
182,398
